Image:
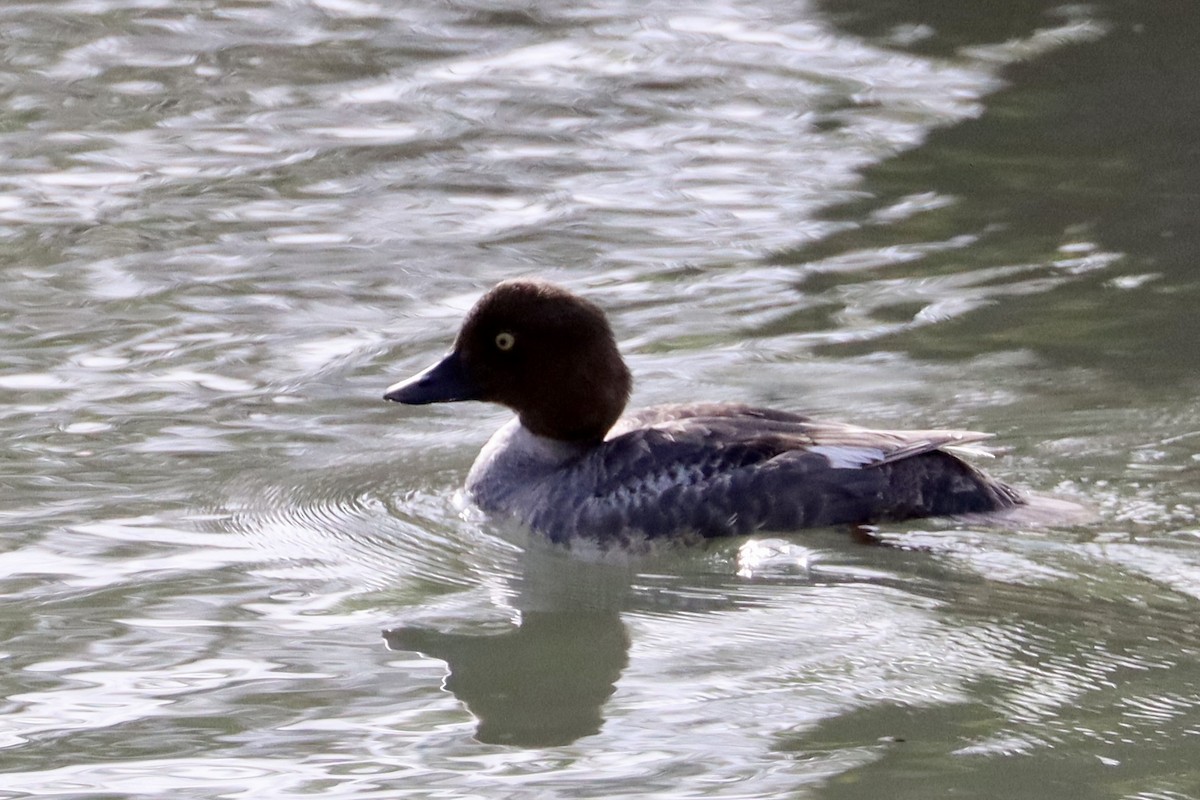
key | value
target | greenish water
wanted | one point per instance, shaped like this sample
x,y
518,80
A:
x,y
229,225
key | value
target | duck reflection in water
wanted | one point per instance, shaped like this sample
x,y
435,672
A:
x,y
543,684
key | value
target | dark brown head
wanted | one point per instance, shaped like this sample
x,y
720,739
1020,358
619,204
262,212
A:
x,y
545,353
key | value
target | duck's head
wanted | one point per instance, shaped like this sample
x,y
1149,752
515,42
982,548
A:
x,y
536,348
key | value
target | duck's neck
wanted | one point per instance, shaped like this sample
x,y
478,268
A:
x,y
580,409
515,459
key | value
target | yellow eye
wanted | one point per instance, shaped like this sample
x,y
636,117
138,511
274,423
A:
x,y
505,341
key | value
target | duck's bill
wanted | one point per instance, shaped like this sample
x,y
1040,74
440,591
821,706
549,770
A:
x,y
445,382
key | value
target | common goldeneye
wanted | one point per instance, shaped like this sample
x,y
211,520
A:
x,y
569,468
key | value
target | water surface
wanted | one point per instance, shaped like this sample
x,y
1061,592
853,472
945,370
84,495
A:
x,y
229,225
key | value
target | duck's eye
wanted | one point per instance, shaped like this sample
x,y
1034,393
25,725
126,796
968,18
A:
x,y
505,341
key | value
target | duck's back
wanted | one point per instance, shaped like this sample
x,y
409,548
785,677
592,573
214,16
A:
x,y
719,470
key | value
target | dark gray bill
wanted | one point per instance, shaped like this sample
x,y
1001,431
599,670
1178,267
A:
x,y
444,382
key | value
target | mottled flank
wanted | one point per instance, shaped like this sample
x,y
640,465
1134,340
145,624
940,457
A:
x,y
729,471
681,471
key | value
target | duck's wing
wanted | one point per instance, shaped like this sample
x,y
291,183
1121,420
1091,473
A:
x,y
719,470
785,433
666,481
850,447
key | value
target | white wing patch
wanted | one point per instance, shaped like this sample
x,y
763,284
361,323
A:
x,y
967,451
858,456
845,456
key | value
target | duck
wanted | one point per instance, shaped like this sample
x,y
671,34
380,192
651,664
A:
x,y
571,468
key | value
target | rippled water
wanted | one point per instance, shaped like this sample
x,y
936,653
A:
x,y
228,225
